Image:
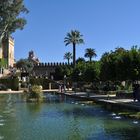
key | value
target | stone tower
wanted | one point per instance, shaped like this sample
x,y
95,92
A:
x,y
32,57
7,53
11,59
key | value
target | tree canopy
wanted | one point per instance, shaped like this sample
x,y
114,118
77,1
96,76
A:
x,y
68,56
121,65
25,65
10,16
80,60
90,53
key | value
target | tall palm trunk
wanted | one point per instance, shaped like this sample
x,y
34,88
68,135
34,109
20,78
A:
x,y
68,61
90,59
74,54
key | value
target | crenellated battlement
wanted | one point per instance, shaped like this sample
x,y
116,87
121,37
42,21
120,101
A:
x,y
51,64
46,69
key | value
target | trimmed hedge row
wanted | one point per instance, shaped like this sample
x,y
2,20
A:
x,y
13,83
10,83
43,82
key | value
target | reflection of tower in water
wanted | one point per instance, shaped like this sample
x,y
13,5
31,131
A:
x,y
9,109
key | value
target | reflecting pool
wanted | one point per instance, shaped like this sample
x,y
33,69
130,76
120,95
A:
x,y
61,118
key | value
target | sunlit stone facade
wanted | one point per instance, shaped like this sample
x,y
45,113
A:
x,y
7,53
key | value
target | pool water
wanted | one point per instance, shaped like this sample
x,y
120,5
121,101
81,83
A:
x,y
61,118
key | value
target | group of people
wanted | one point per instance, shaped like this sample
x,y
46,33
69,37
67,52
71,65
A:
x,y
61,88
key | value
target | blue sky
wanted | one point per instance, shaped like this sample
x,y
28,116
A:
x,y
105,25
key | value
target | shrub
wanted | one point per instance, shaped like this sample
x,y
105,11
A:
x,y
15,83
12,83
35,93
3,87
43,82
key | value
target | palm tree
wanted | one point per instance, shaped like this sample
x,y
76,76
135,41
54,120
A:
x,y
74,37
68,56
90,53
80,60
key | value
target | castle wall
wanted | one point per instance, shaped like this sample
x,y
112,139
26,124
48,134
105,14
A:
x,y
11,52
45,69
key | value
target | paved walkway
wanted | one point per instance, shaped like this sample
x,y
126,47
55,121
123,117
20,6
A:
x,y
22,91
125,103
11,91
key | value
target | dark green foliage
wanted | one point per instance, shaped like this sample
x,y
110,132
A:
x,y
3,62
58,73
43,82
61,71
10,20
11,83
78,71
68,56
121,65
75,75
6,82
91,72
88,72
108,67
3,87
40,81
15,83
25,65
90,53
80,60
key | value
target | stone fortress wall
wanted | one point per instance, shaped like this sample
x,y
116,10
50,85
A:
x,y
46,69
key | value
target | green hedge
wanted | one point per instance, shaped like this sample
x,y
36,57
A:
x,y
11,83
43,82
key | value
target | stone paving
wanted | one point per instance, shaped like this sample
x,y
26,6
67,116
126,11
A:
x,y
111,99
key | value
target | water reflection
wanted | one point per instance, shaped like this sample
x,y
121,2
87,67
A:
x,y
61,118
135,122
33,108
1,137
55,98
117,117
